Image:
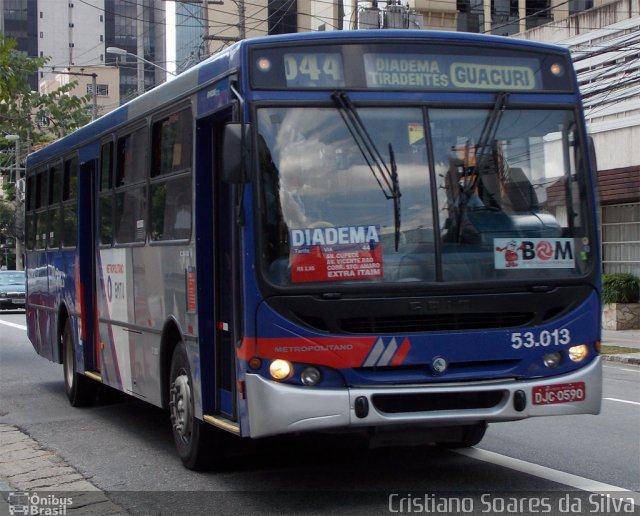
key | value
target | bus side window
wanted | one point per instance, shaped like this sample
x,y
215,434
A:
x,y
42,198
30,216
69,203
131,191
55,196
171,194
130,164
106,194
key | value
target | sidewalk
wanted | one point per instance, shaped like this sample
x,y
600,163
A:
x,y
53,486
624,338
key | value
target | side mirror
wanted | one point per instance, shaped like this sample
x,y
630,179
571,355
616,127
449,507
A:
x,y
235,153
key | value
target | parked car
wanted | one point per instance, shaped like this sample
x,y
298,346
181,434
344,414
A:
x,y
12,289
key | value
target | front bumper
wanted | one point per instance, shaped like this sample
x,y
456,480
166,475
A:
x,y
276,408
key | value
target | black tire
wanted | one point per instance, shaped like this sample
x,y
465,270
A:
x,y
81,391
470,435
193,437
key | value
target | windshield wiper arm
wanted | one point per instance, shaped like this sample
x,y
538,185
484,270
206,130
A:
x,y
471,174
488,134
396,196
365,143
386,178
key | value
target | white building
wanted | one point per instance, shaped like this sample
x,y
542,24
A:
x,y
605,43
71,33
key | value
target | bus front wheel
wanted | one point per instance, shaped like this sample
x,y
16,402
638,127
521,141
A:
x,y
192,437
80,390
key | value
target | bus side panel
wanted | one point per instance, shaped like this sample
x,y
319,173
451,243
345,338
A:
x,y
114,290
62,284
138,290
160,277
38,301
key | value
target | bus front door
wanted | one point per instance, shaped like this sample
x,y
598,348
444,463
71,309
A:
x,y
218,293
226,302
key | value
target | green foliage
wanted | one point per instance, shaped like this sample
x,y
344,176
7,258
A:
x,y
22,111
35,117
7,222
620,287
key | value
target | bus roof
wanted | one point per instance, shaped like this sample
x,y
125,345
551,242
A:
x,y
398,34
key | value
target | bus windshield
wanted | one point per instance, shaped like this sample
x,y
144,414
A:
x,y
481,194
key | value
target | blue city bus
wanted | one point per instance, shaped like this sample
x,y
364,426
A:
x,y
385,232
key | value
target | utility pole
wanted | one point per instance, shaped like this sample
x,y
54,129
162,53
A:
x,y
94,92
140,44
242,34
241,20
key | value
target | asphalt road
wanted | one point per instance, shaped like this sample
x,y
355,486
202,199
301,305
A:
x,y
125,447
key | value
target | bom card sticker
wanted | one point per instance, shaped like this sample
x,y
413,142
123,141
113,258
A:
x,y
335,253
533,253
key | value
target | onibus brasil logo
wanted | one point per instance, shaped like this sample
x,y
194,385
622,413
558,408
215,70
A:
x,y
35,504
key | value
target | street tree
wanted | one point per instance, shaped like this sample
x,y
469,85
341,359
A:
x,y
34,116
11,229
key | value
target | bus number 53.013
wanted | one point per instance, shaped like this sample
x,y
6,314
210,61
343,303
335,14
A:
x,y
529,339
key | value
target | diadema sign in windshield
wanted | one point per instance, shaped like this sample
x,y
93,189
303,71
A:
x,y
335,253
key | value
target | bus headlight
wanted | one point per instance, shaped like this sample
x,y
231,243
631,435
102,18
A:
x,y
552,359
280,369
310,376
578,353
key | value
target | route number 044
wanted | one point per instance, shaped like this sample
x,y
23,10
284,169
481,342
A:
x,y
314,67
545,338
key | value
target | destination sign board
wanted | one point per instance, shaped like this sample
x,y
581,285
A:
x,y
408,67
450,72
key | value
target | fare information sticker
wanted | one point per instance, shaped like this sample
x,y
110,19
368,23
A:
x,y
344,253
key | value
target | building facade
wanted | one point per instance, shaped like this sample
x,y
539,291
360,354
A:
x,y
605,42
190,27
78,33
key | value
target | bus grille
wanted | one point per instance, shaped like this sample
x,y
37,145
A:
x,y
431,402
435,322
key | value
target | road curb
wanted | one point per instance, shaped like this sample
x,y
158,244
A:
x,y
35,476
632,359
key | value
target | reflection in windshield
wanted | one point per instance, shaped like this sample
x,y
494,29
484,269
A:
x,y
315,178
386,176
325,217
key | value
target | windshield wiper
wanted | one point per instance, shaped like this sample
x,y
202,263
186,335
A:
x,y
396,196
483,149
387,178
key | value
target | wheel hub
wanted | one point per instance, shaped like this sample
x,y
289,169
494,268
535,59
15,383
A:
x,y
180,405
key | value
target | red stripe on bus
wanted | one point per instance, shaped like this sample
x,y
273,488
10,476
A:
x,y
401,353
